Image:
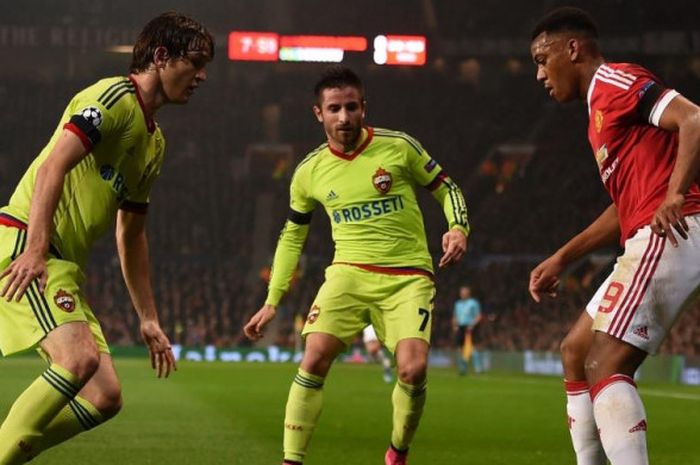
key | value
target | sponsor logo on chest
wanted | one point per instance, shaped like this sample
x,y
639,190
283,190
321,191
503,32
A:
x,y
115,180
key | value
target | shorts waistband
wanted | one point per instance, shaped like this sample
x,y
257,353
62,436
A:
x,y
12,222
394,270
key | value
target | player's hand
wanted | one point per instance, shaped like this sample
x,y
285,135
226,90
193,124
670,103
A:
x,y
669,216
30,265
162,358
254,328
544,279
454,246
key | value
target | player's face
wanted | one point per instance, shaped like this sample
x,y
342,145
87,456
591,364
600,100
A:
x,y
181,76
552,55
342,113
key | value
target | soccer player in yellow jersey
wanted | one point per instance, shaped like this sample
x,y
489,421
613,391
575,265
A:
x,y
99,164
382,273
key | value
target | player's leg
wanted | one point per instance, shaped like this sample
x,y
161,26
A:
x,y
405,330
61,322
306,394
409,394
653,284
579,408
74,359
98,401
618,409
335,318
375,351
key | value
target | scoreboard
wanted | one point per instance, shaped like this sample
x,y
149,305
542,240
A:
x,y
270,46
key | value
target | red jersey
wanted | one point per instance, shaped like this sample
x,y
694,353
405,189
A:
x,y
635,157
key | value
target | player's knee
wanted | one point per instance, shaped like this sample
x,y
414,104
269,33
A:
x,y
592,368
316,363
571,353
83,364
109,402
413,372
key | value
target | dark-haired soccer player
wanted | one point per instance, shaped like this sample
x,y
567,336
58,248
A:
x,y
646,142
382,272
99,164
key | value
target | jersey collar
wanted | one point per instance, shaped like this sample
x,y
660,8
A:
x,y
589,94
150,123
358,150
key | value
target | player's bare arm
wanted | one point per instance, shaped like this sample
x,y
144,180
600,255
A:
x,y
254,329
605,230
31,264
132,245
683,116
454,246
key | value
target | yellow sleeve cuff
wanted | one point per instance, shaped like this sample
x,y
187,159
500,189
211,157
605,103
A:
x,y
459,227
274,296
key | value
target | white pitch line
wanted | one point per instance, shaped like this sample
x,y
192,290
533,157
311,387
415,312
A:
x,y
643,391
670,395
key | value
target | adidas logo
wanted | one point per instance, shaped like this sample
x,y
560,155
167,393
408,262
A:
x,y
642,332
570,421
641,426
331,196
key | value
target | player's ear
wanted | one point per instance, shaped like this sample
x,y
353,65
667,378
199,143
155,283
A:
x,y
364,108
318,113
573,49
160,57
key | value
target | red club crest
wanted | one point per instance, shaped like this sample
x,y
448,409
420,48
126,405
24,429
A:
x,y
382,180
313,314
64,300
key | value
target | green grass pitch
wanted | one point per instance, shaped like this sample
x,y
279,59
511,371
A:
x,y
216,413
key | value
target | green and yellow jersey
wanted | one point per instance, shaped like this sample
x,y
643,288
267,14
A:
x,y
125,157
370,199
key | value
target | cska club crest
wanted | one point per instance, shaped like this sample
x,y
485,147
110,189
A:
x,y
313,314
382,180
64,300
598,121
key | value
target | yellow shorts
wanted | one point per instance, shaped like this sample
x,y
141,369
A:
x,y
398,306
24,324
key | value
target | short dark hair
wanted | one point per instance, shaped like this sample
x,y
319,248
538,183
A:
x,y
335,77
174,31
567,18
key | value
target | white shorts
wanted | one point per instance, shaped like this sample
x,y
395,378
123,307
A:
x,y
368,334
650,286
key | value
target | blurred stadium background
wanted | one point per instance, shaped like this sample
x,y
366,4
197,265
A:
x,y
522,161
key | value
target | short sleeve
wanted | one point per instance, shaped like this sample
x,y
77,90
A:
x,y
636,95
96,115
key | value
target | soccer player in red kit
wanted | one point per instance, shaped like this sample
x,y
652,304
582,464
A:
x,y
646,142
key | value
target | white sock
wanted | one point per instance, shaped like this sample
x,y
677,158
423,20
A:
x,y
621,420
582,426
